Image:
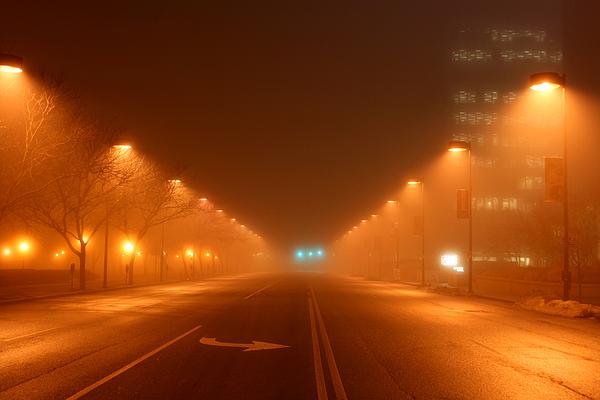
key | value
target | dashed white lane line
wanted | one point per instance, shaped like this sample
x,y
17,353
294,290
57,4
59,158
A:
x,y
259,291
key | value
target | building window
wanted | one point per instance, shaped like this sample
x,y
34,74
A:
x,y
556,57
484,162
508,35
509,204
463,55
523,55
510,97
474,118
485,203
464,97
531,182
534,161
490,96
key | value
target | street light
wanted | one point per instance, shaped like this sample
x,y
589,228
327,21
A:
x,y
11,64
547,82
459,146
417,182
128,247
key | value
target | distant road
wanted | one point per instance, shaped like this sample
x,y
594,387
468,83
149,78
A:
x,y
296,336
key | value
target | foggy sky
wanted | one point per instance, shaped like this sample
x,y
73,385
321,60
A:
x,y
296,118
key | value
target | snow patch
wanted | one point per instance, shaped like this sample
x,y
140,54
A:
x,y
569,308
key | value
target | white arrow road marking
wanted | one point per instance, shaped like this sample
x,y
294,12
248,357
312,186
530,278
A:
x,y
254,346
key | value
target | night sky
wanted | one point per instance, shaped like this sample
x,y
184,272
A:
x,y
296,118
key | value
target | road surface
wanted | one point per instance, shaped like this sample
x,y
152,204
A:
x,y
295,336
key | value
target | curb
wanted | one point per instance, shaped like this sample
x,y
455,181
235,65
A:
x,y
87,291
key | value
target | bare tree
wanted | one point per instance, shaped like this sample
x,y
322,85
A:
x,y
151,199
25,147
75,184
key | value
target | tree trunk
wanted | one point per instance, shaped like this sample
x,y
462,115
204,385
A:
x,y
131,262
82,265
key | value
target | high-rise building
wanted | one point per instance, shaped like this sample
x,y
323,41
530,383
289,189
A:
x,y
510,132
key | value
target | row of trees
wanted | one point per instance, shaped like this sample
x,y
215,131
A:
x,y
65,172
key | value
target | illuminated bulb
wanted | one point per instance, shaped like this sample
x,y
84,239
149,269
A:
x,y
128,247
10,69
544,86
24,246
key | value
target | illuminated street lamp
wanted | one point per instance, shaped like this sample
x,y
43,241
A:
x,y
11,64
128,247
547,82
418,182
459,146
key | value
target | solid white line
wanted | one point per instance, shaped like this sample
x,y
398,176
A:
x,y
336,380
259,291
319,375
27,335
118,372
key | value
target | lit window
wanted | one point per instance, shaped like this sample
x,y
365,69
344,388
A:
x,y
464,97
509,203
463,55
490,96
508,35
510,97
474,118
534,161
531,182
556,57
523,55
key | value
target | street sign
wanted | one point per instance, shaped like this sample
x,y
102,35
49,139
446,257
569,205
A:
x,y
554,179
463,206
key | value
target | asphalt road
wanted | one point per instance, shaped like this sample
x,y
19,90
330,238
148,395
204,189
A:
x,y
296,336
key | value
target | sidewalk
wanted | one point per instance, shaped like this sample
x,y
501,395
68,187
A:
x,y
11,292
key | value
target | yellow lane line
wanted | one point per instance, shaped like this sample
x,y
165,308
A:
x,y
338,386
319,375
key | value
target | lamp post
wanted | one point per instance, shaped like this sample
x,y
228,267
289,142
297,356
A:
x,y
23,248
421,184
396,203
122,145
547,82
459,146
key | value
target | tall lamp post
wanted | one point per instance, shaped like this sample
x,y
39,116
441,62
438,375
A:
x,y
547,82
119,145
421,184
459,146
